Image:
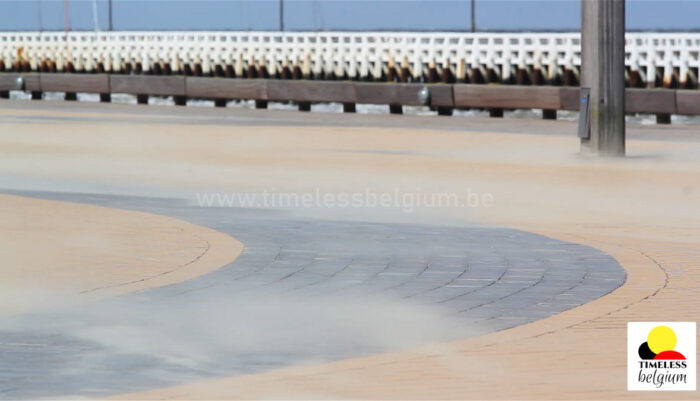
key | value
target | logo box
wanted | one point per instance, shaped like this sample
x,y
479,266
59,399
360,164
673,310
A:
x,y
661,356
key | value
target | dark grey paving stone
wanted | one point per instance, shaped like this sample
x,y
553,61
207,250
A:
x,y
302,291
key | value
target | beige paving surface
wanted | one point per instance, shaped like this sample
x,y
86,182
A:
x,y
642,210
579,354
55,253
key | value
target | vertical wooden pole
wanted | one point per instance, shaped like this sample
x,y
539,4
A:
x,y
65,27
281,15
603,71
40,19
473,15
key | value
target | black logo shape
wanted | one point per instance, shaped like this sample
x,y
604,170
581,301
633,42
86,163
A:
x,y
645,352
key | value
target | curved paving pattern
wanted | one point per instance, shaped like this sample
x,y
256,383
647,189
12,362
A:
x,y
296,278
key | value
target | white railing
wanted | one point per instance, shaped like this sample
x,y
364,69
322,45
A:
x,y
350,54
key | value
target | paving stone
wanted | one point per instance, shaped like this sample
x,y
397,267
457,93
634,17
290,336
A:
x,y
487,279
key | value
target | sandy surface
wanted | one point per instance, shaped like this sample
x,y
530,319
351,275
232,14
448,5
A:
x,y
642,210
54,253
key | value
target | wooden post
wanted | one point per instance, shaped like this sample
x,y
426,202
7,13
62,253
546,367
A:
x,y
549,114
473,15
663,118
603,71
281,15
496,113
109,4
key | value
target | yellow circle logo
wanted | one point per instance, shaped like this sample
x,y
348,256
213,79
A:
x,y
660,344
661,338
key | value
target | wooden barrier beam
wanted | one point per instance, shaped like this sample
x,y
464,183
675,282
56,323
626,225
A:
x,y
148,85
388,93
8,81
506,96
688,102
638,100
442,96
32,82
226,88
88,83
311,91
655,101
569,98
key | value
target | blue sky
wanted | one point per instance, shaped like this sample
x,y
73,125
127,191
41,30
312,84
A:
x,y
338,14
